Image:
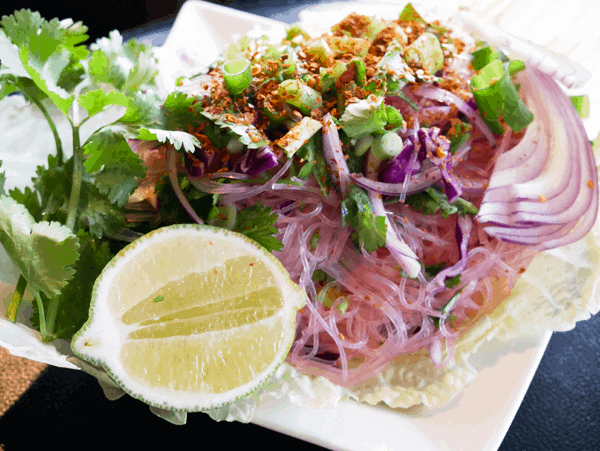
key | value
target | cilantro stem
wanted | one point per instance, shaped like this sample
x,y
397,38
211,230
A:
x,y
40,305
59,149
15,302
77,175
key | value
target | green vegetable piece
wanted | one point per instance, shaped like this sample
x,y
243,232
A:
x,y
496,96
319,49
427,51
342,306
483,57
394,117
298,135
363,144
409,13
357,211
329,76
351,45
360,71
432,200
159,298
237,76
582,105
295,31
452,282
364,117
387,146
300,96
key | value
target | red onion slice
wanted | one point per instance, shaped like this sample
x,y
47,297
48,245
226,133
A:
x,y
332,150
443,96
544,192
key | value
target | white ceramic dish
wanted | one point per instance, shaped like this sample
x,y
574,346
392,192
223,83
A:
x,y
477,420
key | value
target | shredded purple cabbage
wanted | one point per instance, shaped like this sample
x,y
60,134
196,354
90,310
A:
x,y
439,148
197,163
256,161
398,169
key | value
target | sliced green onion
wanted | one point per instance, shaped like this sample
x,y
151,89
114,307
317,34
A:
x,y
496,96
582,105
363,144
387,146
394,117
225,217
234,145
159,298
329,76
360,74
300,95
515,67
483,57
237,76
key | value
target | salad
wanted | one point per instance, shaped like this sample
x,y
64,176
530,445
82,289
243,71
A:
x,y
402,176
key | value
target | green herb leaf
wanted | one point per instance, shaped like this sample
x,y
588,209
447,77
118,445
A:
x,y
432,200
96,101
364,117
314,163
452,282
178,139
257,223
129,67
248,135
74,299
357,211
44,252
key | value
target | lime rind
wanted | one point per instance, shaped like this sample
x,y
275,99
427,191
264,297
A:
x,y
96,343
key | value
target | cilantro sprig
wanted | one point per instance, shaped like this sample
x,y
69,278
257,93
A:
x,y
59,227
432,200
257,223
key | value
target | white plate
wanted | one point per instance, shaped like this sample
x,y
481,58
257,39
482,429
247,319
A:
x,y
476,420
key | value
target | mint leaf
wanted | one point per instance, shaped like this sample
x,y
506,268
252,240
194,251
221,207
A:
x,y
44,252
257,223
357,211
74,299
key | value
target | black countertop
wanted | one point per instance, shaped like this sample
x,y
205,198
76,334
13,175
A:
x,y
66,409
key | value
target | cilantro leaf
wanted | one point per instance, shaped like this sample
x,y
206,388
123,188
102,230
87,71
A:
x,y
97,212
44,252
96,101
432,200
128,67
178,139
248,135
74,299
117,185
364,117
109,148
257,223
314,163
357,211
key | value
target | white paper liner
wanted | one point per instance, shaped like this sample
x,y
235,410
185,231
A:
x,y
560,288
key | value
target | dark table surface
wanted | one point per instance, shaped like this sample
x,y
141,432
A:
x,y
66,409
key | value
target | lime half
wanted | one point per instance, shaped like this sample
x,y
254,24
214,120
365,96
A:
x,y
191,317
